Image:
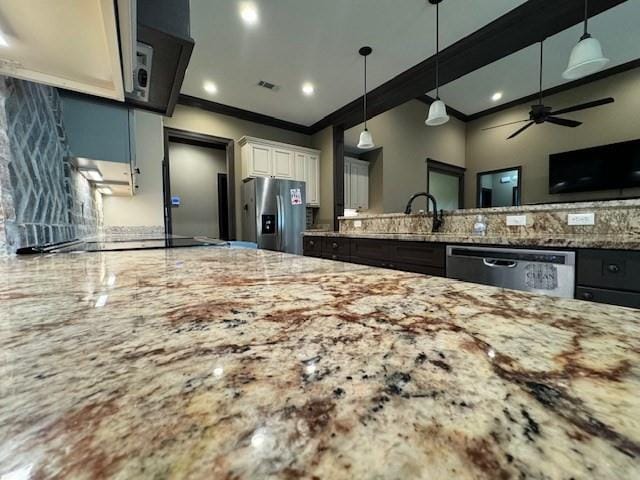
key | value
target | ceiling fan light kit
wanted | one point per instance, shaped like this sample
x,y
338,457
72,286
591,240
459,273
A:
x,y
366,139
437,110
586,57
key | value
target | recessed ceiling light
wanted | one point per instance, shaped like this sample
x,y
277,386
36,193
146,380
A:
x,y
3,40
249,13
496,96
210,88
308,88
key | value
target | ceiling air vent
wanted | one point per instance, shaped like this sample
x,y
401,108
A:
x,y
268,85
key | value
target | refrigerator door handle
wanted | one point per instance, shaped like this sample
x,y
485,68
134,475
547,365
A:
x,y
279,222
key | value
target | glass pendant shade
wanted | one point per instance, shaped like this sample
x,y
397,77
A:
x,y
366,140
586,58
437,114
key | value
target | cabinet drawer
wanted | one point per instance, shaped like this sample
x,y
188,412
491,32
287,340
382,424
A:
x,y
312,246
371,248
613,297
335,247
611,269
418,253
415,268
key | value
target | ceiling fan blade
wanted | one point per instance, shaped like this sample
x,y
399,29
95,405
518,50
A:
x,y
584,106
563,121
518,132
505,124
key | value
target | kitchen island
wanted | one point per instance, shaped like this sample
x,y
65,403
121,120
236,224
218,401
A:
x,y
236,364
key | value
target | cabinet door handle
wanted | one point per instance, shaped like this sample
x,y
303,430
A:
x,y
587,296
311,243
334,245
613,268
334,257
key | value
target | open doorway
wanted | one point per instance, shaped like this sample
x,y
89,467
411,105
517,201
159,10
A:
x,y
198,181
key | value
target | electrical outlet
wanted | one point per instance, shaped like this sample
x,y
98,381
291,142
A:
x,y
581,219
516,220
357,223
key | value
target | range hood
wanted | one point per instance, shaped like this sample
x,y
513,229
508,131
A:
x,y
162,51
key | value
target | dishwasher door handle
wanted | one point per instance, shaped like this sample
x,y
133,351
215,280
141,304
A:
x,y
499,263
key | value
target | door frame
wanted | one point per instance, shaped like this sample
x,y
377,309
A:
x,y
447,169
198,140
499,170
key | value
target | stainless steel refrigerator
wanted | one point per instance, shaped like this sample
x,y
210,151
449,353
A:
x,y
274,213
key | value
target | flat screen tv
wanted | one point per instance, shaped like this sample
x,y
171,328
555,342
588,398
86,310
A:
x,y
607,167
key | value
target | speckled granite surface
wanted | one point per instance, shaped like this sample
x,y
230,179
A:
x,y
242,364
622,242
618,218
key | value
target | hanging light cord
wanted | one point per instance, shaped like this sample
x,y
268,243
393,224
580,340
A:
x,y
437,51
540,90
586,20
365,92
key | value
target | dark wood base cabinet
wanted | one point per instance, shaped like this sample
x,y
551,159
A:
x,y
418,257
608,276
602,276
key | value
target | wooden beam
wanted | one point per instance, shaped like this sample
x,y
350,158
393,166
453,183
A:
x,y
521,27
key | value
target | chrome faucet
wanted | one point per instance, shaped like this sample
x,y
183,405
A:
x,y
438,220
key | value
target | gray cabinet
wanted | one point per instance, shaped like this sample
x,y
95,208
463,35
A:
x,y
99,130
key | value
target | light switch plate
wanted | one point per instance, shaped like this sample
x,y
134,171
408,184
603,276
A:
x,y
357,223
581,219
516,220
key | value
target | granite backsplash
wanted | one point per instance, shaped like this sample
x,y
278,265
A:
x,y
616,217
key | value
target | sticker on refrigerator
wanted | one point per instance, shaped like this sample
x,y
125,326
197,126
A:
x,y
296,196
175,201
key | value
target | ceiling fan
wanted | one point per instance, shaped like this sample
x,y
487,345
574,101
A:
x,y
541,113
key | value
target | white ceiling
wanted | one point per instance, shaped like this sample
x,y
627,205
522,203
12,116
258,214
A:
x,y
318,41
516,76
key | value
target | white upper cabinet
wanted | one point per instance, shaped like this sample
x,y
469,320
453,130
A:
x,y
356,184
312,178
264,158
283,163
71,44
258,161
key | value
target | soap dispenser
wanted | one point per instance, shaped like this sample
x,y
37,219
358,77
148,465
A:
x,y
480,226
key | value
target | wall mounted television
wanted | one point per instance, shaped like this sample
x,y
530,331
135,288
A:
x,y
606,167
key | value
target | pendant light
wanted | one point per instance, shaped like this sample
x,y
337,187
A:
x,y
586,57
366,140
437,110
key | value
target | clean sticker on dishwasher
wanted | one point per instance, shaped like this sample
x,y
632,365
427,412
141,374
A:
x,y
296,196
541,276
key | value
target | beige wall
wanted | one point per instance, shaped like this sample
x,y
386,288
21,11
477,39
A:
x,y
323,140
617,122
146,207
407,142
376,183
200,121
194,178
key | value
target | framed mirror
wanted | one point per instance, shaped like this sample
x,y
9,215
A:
x,y
499,188
446,183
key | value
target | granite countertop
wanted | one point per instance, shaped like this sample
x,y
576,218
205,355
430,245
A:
x,y
626,242
246,364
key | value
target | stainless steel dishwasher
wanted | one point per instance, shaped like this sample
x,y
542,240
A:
x,y
540,271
